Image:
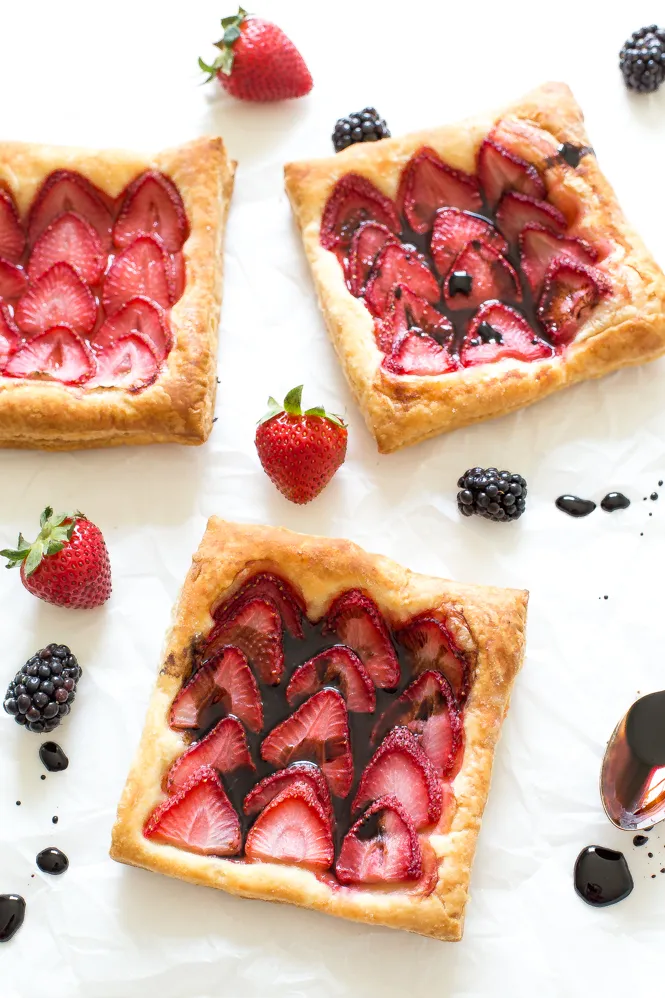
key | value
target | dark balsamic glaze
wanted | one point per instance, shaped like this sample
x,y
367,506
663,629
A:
x,y
53,757
575,506
460,283
52,861
640,840
277,709
12,913
645,729
613,501
633,774
602,876
571,154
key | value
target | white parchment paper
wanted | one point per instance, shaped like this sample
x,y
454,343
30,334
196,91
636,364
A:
x,y
125,74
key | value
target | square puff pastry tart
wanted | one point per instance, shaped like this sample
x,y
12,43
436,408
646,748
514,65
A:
x,y
459,648
605,312
176,402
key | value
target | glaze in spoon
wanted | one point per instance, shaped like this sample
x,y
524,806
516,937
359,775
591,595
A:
x,y
632,778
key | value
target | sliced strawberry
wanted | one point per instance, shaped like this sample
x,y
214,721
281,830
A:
x,y
539,246
432,647
500,170
571,290
58,298
417,353
400,767
69,239
142,316
13,280
318,731
368,241
9,335
292,828
224,748
12,238
128,363
428,708
491,277
256,628
143,269
199,818
58,354
354,199
276,590
427,184
517,210
405,312
261,795
358,622
197,693
65,191
340,666
382,847
398,264
497,331
225,679
453,229
152,204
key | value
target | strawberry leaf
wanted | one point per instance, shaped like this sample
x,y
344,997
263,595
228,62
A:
x,y
34,557
273,409
224,62
292,401
46,515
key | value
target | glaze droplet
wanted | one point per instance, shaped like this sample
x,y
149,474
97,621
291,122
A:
x,y
575,506
602,876
640,840
12,913
53,757
52,861
614,500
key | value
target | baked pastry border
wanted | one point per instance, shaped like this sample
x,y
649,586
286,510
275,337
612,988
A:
x,y
401,410
322,568
178,407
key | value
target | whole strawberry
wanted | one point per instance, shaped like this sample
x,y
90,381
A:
x,y
300,451
257,61
67,565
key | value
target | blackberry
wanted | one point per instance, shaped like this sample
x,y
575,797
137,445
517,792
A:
x,y
496,495
362,126
642,59
41,694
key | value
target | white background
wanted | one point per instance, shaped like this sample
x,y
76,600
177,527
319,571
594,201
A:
x,y
124,74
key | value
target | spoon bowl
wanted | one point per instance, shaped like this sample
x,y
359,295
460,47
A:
x,y
632,777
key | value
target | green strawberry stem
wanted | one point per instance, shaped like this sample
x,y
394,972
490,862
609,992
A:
x,y
293,406
224,62
56,531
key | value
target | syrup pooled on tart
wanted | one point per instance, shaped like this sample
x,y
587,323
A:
x,y
87,281
329,744
463,269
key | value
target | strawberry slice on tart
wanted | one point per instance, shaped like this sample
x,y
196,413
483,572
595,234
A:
x,y
339,666
137,316
432,647
268,788
500,170
454,229
143,269
255,627
490,273
292,828
58,298
226,679
12,237
367,242
58,354
517,210
13,279
395,265
67,191
401,768
354,200
128,363
407,312
418,354
317,731
539,246
498,331
570,290
152,204
199,818
224,749
359,623
69,239
267,585
9,335
382,847
427,184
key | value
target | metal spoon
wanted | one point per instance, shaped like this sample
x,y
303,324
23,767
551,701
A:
x,y
632,777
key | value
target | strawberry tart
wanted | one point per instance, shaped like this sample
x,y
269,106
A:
x,y
322,730
468,271
110,287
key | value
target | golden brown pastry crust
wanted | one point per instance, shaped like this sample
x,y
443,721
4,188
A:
x,y
179,406
629,328
322,568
